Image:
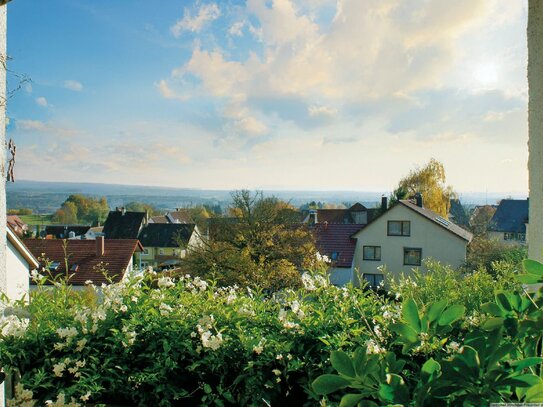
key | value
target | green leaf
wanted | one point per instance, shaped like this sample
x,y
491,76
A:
x,y
405,331
329,383
492,324
501,299
435,310
359,362
532,267
492,308
528,278
451,314
430,368
524,363
367,403
534,394
342,363
410,314
350,400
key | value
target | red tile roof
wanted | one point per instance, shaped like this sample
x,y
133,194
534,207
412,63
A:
x,y
116,258
336,238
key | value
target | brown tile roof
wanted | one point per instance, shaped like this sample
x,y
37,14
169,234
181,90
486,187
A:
x,y
83,253
159,219
180,216
336,238
16,224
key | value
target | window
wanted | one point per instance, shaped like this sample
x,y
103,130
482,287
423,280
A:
x,y
160,251
334,256
399,228
372,253
176,252
412,256
54,266
373,279
146,251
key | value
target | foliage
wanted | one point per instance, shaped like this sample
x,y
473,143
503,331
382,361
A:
x,y
20,211
156,341
442,282
430,182
481,220
82,209
486,254
495,362
142,207
262,244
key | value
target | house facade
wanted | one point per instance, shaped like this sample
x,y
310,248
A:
x,y
509,225
402,237
165,245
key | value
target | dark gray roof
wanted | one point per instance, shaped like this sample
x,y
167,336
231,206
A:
x,y
125,225
438,220
63,231
511,216
457,213
166,235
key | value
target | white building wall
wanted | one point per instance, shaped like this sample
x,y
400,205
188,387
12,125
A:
x,y
435,242
18,274
341,276
535,124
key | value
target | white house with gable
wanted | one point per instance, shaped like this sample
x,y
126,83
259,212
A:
x,y
402,237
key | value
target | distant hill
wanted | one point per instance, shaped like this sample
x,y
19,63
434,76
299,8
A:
x,y
46,197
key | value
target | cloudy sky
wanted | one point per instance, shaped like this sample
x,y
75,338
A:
x,y
273,94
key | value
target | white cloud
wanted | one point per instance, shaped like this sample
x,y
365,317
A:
x,y
195,23
73,85
41,127
167,92
41,101
321,111
236,29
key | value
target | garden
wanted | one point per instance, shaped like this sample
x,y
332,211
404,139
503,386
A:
x,y
433,339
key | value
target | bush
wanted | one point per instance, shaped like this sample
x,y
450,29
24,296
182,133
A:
x,y
153,340
457,287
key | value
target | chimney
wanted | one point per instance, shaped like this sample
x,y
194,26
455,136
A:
x,y
418,199
384,203
100,246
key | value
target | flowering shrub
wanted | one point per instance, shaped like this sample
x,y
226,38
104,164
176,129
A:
x,y
157,340
498,361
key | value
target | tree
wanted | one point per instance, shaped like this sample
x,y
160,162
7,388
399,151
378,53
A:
x,y
142,207
81,209
429,181
262,243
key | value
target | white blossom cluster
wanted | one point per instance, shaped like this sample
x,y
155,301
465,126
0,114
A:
x,y
12,325
311,283
165,282
70,366
204,327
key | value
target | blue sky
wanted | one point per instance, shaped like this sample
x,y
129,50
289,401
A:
x,y
279,94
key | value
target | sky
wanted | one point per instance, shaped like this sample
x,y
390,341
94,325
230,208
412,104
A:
x,y
269,94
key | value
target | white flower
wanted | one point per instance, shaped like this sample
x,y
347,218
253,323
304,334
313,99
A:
x,y
165,282
308,282
12,325
453,347
165,309
373,347
123,308
211,341
86,396
276,372
81,344
258,349
88,282
59,368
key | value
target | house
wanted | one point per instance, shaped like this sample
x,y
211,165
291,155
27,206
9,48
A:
x,y
100,261
158,219
66,231
457,213
356,214
335,240
165,244
402,237
510,222
19,261
122,224
17,225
